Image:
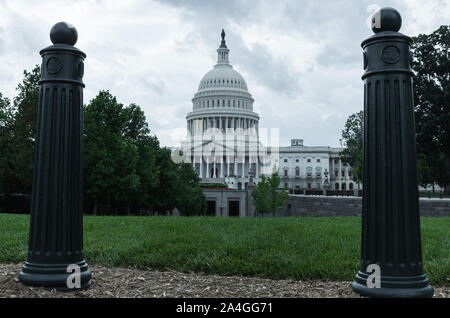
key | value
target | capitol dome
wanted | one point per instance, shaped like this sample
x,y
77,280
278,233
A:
x,y
222,113
223,76
222,100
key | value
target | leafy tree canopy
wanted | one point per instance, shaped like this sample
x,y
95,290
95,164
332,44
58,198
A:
x,y
431,65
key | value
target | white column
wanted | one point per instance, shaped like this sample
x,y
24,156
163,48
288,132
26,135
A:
x,y
243,167
257,168
221,167
214,168
228,167
207,167
201,166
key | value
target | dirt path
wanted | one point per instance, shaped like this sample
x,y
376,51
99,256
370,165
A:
x,y
128,282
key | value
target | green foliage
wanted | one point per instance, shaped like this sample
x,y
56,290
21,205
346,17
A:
x,y
267,196
352,136
18,134
6,138
214,185
190,198
431,65
110,153
326,248
125,169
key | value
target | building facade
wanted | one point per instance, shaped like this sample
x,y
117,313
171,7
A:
x,y
314,167
222,127
224,146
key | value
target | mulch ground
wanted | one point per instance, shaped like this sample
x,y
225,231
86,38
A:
x,y
135,283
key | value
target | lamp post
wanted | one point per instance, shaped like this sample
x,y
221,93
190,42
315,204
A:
x,y
390,215
55,250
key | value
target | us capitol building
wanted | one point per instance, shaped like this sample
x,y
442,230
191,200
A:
x,y
224,142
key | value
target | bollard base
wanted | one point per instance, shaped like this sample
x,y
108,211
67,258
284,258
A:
x,y
54,276
394,287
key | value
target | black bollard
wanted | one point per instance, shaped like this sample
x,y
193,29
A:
x,y
56,223
390,216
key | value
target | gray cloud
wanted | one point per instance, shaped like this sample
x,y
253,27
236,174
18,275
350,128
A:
x,y
155,55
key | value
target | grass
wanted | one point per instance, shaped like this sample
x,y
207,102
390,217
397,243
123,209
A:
x,y
281,248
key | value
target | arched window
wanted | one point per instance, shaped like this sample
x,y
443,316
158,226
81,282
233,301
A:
x,y
344,186
297,171
213,103
318,172
336,186
350,186
309,172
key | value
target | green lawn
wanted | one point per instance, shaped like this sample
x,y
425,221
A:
x,y
297,248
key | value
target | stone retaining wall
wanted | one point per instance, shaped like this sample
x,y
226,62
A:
x,y
306,205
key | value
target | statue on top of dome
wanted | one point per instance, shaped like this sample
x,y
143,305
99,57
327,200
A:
x,y
223,39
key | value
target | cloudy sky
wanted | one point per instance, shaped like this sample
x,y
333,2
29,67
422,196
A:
x,y
302,60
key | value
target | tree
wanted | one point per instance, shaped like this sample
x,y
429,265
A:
x,y
164,196
190,197
6,142
431,65
267,196
18,135
260,196
352,136
110,153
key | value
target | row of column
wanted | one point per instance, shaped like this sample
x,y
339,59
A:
x,y
238,167
221,123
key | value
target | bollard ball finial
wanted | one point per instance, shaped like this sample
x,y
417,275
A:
x,y
386,19
64,33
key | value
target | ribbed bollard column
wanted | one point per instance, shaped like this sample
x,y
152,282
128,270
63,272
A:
x,y
56,224
390,216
